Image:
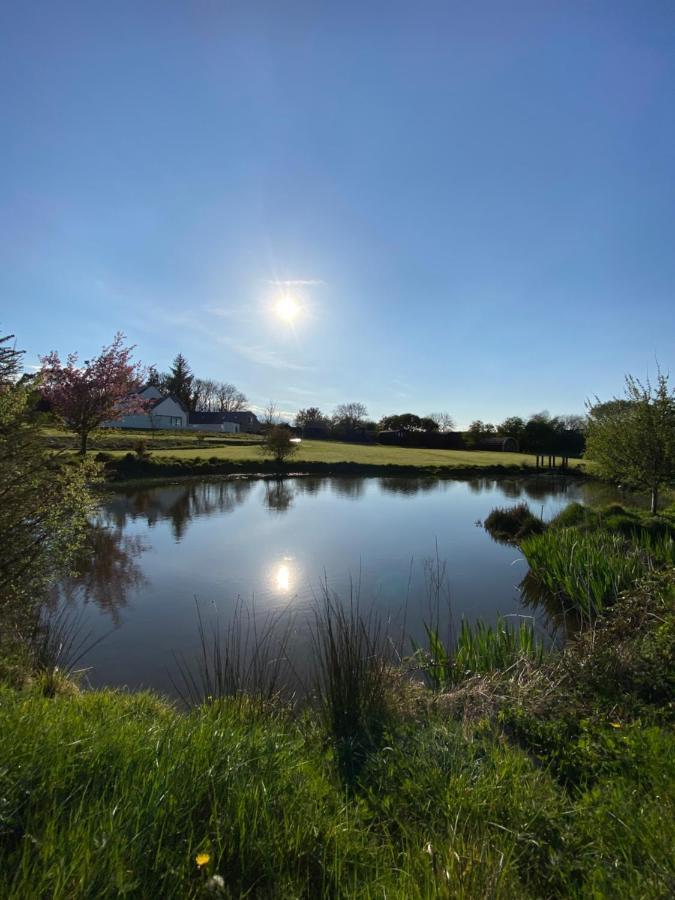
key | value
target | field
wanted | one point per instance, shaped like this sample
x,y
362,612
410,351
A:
x,y
244,447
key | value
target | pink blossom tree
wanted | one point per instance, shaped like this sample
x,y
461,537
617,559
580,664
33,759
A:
x,y
100,390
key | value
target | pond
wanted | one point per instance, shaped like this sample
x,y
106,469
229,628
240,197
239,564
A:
x,y
274,545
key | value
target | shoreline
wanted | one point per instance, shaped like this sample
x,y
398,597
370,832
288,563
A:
x,y
124,471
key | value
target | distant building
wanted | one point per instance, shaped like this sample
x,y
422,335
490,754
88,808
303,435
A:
x,y
498,442
163,411
213,421
246,420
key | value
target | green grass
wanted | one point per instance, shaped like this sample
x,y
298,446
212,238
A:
x,y
368,454
479,648
587,568
107,795
242,448
552,779
125,439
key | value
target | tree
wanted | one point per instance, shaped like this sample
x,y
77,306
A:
x,y
408,422
310,418
444,421
203,395
632,439
44,501
179,381
228,398
513,426
153,378
573,422
350,416
278,443
101,390
10,361
475,432
270,414
541,433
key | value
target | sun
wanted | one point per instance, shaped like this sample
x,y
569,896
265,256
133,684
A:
x,y
287,309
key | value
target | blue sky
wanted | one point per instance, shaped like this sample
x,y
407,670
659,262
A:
x,y
474,201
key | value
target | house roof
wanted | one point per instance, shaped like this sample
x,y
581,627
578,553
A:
x,y
208,418
242,416
156,402
217,418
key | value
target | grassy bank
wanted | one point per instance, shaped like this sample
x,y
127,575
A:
x,y
549,778
320,458
170,454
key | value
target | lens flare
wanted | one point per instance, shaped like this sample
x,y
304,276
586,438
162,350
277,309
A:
x,y
287,309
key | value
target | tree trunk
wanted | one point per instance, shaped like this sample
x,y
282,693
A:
x,y
655,499
83,442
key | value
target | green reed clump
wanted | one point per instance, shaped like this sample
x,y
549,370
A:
x,y
244,658
660,546
588,569
479,648
352,674
513,523
484,648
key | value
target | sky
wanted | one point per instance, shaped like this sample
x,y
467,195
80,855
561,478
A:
x,y
471,203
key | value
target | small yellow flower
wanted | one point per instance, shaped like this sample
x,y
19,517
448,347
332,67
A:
x,y
615,724
202,859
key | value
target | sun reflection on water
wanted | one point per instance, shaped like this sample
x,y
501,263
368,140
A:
x,y
284,575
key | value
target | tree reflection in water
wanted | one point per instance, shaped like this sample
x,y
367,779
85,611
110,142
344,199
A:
x,y
278,495
178,503
105,572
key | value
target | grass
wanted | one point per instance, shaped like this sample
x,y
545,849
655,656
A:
x,y
369,454
479,648
586,557
125,439
564,789
352,675
588,569
512,524
242,448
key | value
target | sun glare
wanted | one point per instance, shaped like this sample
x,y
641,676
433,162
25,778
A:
x,y
287,309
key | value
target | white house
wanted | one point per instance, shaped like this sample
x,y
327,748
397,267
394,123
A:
x,y
163,411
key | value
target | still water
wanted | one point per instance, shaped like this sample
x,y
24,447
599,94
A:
x,y
274,544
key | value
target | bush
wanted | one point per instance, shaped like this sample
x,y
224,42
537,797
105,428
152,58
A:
x,y
141,449
512,524
278,444
572,516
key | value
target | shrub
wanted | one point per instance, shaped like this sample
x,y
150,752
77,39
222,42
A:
x,y
512,524
573,515
141,449
278,444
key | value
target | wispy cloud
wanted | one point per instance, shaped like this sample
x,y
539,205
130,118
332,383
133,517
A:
x,y
296,282
262,355
302,391
230,312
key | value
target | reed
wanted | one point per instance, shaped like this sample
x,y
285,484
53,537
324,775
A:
x,y
586,569
479,648
512,524
245,659
352,668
